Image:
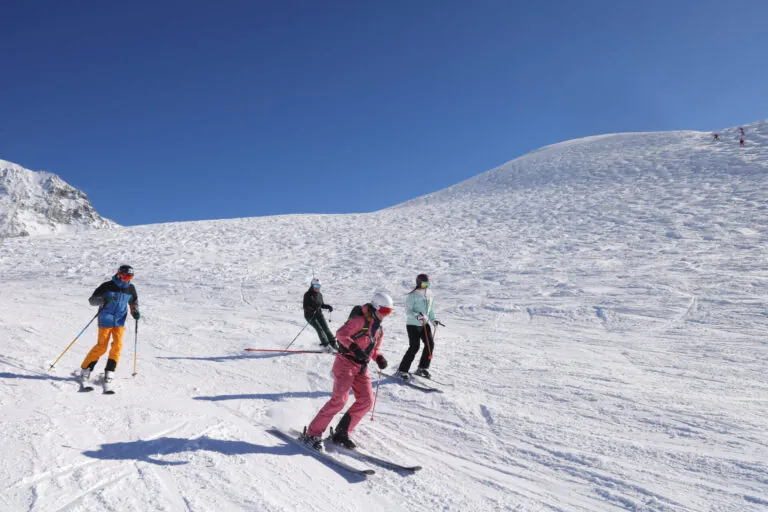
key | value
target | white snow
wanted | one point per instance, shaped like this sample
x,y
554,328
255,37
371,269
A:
x,y
606,344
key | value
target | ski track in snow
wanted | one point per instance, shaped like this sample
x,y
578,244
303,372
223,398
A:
x,y
605,347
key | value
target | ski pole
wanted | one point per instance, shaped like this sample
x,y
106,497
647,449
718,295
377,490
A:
x,y
376,395
426,335
285,351
302,330
438,323
74,340
135,346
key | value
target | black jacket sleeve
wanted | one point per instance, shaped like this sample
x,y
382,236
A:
x,y
134,302
97,298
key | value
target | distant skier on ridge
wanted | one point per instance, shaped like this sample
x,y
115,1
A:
x,y
420,310
359,342
114,298
313,306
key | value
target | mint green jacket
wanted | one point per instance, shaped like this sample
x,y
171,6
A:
x,y
419,303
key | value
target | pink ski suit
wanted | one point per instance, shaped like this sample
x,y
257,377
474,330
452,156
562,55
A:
x,y
349,374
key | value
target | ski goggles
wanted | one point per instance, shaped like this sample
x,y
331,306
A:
x,y
124,277
425,284
384,311
316,286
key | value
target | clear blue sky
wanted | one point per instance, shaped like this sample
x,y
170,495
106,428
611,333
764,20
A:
x,y
169,111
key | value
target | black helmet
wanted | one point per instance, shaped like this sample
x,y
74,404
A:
x,y
421,278
126,270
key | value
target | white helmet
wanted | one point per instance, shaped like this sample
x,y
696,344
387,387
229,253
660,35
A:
x,y
382,303
316,283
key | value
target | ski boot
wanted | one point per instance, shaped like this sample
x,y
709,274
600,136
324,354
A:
x,y
403,375
313,442
341,435
107,383
85,374
423,372
342,439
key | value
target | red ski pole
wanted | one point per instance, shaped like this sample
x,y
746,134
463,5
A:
x,y
287,351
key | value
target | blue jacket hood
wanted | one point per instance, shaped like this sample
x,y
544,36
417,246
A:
x,y
119,282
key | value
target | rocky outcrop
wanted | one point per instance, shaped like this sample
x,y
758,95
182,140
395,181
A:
x,y
38,203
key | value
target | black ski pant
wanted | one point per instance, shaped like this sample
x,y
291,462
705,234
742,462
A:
x,y
321,326
416,335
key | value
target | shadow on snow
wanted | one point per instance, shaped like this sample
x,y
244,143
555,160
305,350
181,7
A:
x,y
8,375
275,397
150,451
220,359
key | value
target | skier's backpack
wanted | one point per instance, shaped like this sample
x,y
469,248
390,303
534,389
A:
x,y
356,311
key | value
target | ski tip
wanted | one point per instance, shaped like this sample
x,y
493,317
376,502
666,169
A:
x,y
85,389
109,393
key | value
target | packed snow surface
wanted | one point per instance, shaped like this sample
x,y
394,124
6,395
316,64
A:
x,y
605,347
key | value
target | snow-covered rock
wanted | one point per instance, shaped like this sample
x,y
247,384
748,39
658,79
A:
x,y
38,203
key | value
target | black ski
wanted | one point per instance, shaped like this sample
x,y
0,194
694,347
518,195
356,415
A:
x,y
411,383
84,388
367,457
293,437
428,379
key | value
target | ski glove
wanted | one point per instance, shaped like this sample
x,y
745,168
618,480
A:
x,y
136,315
101,302
328,307
359,354
382,362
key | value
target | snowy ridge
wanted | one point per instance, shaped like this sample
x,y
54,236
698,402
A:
x,y
39,202
594,162
606,327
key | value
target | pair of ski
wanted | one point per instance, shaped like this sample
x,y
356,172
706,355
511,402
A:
x,y
293,436
415,382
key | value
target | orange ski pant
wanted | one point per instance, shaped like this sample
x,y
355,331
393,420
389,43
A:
x,y
101,346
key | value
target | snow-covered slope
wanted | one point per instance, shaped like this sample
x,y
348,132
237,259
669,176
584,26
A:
x,y
38,203
605,346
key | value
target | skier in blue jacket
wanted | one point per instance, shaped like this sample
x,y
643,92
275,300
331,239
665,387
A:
x,y
114,299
